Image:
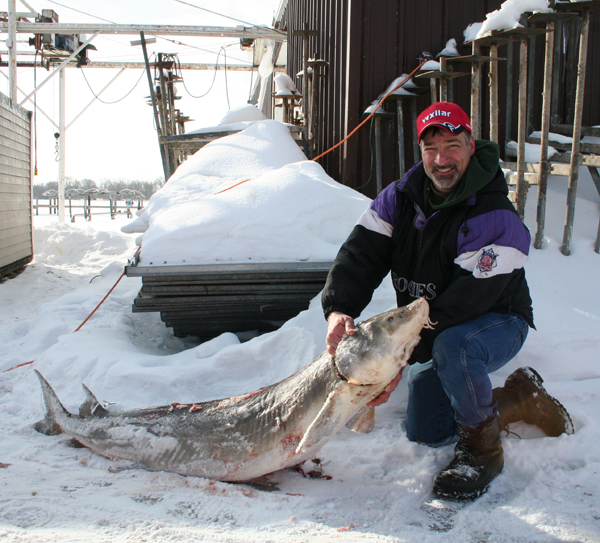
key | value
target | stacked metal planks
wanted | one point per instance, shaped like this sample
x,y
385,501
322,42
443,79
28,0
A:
x,y
208,300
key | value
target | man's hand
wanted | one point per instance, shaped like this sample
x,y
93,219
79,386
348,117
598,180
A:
x,y
385,395
339,325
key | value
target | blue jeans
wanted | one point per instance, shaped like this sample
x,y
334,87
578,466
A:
x,y
454,386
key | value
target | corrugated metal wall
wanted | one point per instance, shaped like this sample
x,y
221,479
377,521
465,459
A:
x,y
368,43
16,242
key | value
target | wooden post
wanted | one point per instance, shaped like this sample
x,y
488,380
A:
x,y
570,76
433,89
416,148
509,91
575,154
556,81
476,93
544,164
378,164
306,94
155,110
400,123
530,86
522,183
493,82
443,80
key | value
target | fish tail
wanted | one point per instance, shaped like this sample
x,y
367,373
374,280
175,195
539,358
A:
x,y
48,425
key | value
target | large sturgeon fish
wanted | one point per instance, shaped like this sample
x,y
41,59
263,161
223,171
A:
x,y
247,436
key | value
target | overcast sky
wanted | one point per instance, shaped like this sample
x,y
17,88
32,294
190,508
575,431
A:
x,y
118,140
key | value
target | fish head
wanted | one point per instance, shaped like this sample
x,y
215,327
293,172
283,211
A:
x,y
382,345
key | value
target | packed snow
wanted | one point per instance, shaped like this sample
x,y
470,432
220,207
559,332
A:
x,y
380,487
509,15
237,118
505,18
533,151
450,50
260,171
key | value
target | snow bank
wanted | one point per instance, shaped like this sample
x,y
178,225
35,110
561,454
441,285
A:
x,y
224,203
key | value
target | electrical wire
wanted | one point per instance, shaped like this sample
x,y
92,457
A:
x,y
202,48
213,81
231,18
82,12
116,101
226,85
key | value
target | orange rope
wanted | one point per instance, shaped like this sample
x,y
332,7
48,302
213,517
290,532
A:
x,y
233,186
353,131
372,112
87,319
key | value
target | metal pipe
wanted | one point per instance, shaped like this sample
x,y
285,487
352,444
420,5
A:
x,y
155,30
11,44
62,144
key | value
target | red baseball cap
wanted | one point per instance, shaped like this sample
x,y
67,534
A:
x,y
451,117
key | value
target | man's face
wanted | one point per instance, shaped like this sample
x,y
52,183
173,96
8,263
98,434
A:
x,y
446,157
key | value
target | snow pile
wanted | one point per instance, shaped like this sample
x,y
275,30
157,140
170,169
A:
x,y
508,16
285,86
450,50
533,151
430,65
559,138
237,118
255,182
248,113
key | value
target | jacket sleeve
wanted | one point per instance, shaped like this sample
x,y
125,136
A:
x,y
488,274
363,260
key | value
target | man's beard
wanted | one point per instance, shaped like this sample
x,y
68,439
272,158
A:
x,y
446,180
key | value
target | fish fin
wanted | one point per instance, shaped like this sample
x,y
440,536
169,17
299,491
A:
x,y
326,422
91,407
363,422
48,424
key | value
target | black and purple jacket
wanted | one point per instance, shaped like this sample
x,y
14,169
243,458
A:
x,y
465,260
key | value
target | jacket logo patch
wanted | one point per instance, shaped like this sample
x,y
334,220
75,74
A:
x,y
487,261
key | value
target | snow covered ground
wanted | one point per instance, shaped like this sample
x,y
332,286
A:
x,y
381,483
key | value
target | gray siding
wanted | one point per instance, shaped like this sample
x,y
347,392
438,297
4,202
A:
x,y
16,243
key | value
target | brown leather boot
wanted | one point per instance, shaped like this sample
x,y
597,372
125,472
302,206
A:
x,y
523,398
478,458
